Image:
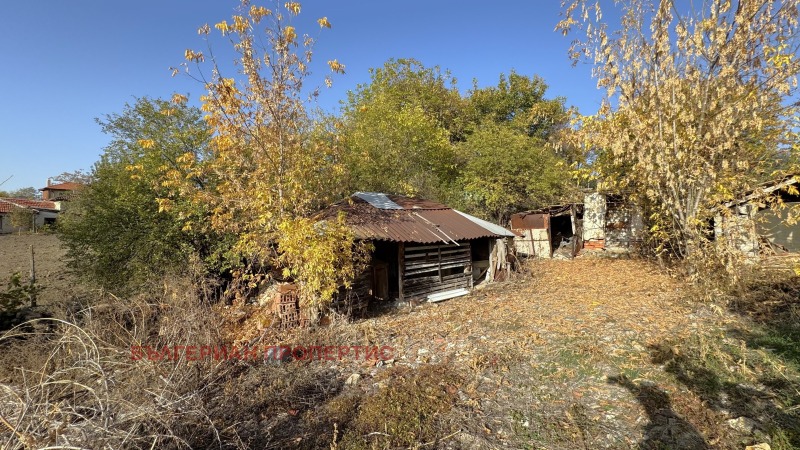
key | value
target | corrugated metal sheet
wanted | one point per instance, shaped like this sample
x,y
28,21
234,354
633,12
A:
x,y
420,221
494,228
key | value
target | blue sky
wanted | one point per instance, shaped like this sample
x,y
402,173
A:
x,y
67,63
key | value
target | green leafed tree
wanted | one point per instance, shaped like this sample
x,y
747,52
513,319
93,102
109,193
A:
x,y
22,219
116,233
507,171
519,101
30,193
509,161
398,130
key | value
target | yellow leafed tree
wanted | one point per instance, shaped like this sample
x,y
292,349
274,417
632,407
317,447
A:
x,y
699,102
270,169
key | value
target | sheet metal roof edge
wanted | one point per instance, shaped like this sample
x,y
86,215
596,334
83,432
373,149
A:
x,y
494,228
377,200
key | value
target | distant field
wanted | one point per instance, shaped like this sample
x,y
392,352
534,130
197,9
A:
x,y
51,268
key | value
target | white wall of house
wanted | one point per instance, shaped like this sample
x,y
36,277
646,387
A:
x,y
41,219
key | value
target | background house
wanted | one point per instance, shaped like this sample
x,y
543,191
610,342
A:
x,y
60,191
44,212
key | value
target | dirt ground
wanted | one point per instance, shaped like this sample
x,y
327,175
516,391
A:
x,y
51,269
591,353
588,353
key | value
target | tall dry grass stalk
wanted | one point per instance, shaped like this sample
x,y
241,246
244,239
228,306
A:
x,y
90,393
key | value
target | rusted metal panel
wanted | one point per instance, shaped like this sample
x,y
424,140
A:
x,y
420,221
535,238
526,221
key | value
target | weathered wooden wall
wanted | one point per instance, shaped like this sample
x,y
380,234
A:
x,y
428,269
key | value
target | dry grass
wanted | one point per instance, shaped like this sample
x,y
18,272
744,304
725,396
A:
x,y
588,353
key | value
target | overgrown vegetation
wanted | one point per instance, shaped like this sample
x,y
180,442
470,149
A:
x,y
22,219
411,132
14,297
598,352
117,234
699,105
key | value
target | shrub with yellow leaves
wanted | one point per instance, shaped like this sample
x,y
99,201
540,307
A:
x,y
270,172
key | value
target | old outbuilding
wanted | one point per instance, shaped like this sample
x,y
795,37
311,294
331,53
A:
x,y
763,221
601,222
423,250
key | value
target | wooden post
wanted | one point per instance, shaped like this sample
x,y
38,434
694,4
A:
x,y
401,259
491,271
33,278
440,262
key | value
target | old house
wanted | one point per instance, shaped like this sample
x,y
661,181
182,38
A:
x,y
753,225
602,221
543,232
424,250
60,191
43,212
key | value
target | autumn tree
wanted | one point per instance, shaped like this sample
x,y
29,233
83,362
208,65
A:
x,y
398,130
116,234
698,102
268,165
507,171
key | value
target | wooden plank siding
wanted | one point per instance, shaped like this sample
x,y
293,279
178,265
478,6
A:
x,y
428,269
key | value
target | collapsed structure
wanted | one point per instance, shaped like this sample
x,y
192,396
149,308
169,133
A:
x,y
424,250
760,222
602,221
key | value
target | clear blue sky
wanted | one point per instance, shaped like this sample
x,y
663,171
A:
x,y
66,63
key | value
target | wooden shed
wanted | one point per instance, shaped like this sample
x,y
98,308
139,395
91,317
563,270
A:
x,y
424,250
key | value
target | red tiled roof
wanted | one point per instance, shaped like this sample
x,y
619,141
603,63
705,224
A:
x,y
68,186
8,204
406,220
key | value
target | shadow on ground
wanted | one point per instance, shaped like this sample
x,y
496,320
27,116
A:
x,y
750,373
666,429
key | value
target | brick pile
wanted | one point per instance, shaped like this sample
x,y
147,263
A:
x,y
594,244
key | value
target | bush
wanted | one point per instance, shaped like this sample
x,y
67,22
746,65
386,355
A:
x,y
408,411
15,296
22,218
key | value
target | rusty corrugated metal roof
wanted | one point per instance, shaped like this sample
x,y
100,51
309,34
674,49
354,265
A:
x,y
419,221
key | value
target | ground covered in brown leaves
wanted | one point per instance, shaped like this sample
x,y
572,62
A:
x,y
590,353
